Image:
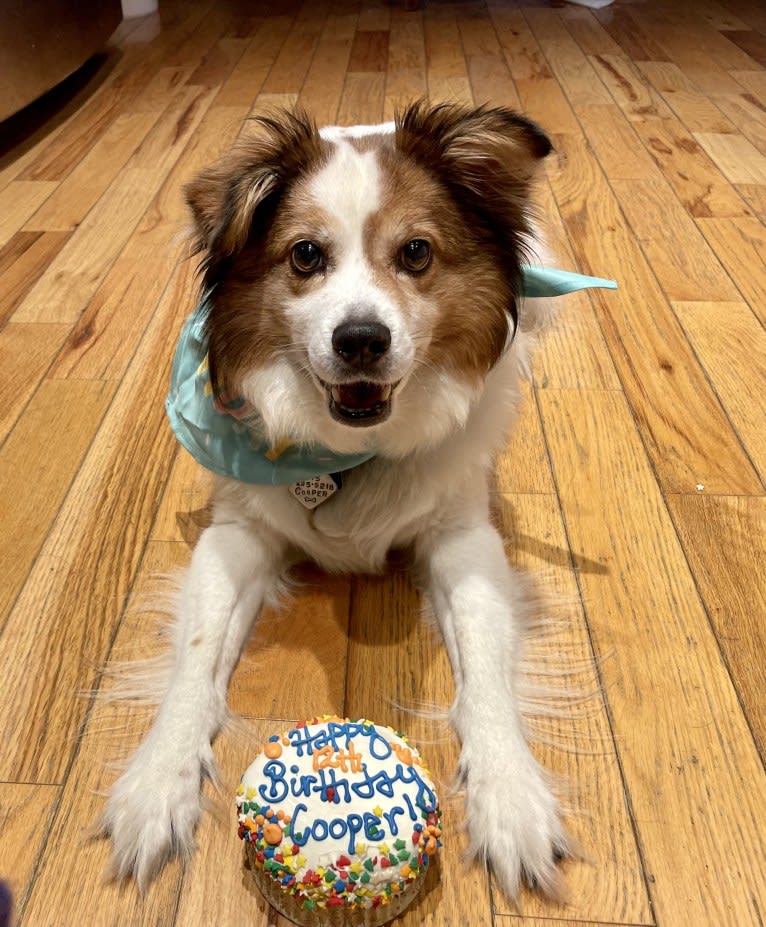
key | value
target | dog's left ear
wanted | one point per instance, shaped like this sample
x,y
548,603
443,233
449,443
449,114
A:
x,y
485,150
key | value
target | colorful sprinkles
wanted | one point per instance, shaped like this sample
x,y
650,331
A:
x,y
387,848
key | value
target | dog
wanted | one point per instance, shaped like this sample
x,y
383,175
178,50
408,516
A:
x,y
360,337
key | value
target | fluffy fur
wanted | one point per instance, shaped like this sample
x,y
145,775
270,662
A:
x,y
366,199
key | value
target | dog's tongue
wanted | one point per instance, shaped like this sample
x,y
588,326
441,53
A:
x,y
361,395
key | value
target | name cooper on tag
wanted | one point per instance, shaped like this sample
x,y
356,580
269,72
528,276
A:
x,y
313,492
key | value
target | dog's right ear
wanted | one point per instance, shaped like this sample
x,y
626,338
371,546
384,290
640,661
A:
x,y
225,199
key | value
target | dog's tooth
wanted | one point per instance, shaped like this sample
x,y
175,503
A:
x,y
335,393
385,393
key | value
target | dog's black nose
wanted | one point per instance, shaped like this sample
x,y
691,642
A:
x,y
361,344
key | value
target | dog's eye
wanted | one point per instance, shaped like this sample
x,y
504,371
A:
x,y
416,255
306,257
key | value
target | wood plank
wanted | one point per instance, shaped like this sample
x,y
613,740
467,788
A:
x,y
375,15
724,538
26,353
309,631
672,400
22,261
184,509
291,65
698,112
369,51
724,336
406,74
523,466
72,278
739,160
588,32
72,412
18,201
105,336
754,194
113,731
491,81
572,353
630,89
751,42
447,72
698,183
618,148
219,62
246,80
628,33
236,898
741,247
362,99
544,100
577,745
686,751
80,579
681,259
70,202
522,51
747,114
22,808
323,86
573,70
411,669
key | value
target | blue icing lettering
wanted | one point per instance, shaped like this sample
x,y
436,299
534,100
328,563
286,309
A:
x,y
391,816
276,790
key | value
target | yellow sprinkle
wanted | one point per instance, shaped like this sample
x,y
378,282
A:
x,y
301,861
240,789
356,867
383,847
361,847
250,794
378,810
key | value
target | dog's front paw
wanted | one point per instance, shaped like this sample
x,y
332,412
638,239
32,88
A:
x,y
153,809
514,821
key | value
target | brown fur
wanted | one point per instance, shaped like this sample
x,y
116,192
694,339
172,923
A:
x,y
458,177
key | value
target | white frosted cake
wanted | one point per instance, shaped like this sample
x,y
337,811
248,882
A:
x,y
340,820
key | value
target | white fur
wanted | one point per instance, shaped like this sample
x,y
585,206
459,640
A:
x,y
427,488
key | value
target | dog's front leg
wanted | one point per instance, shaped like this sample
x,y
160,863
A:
x,y
154,806
513,818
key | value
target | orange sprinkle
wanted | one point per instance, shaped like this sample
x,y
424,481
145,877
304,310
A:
x,y
259,819
280,815
272,834
273,749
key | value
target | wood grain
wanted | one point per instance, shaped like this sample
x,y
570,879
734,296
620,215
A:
x,y
73,198
637,469
22,261
72,412
26,352
684,753
741,247
731,583
683,262
647,341
722,334
576,746
75,598
18,201
22,807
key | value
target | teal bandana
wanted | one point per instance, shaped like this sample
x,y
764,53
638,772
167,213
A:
x,y
226,435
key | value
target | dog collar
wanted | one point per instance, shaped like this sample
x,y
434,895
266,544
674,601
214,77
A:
x,y
226,435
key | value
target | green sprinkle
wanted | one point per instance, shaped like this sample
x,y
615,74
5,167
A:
x,y
353,876
288,830
399,844
404,855
329,876
394,859
365,877
309,905
368,865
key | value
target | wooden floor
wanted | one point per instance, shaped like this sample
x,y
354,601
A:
x,y
633,491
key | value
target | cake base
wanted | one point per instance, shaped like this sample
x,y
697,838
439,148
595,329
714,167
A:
x,y
291,908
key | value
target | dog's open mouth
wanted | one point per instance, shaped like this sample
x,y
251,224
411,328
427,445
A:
x,y
360,403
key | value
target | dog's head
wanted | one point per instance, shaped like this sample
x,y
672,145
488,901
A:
x,y
364,281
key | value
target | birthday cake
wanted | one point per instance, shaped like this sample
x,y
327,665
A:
x,y
340,821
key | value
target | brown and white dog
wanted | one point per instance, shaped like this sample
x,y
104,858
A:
x,y
365,297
